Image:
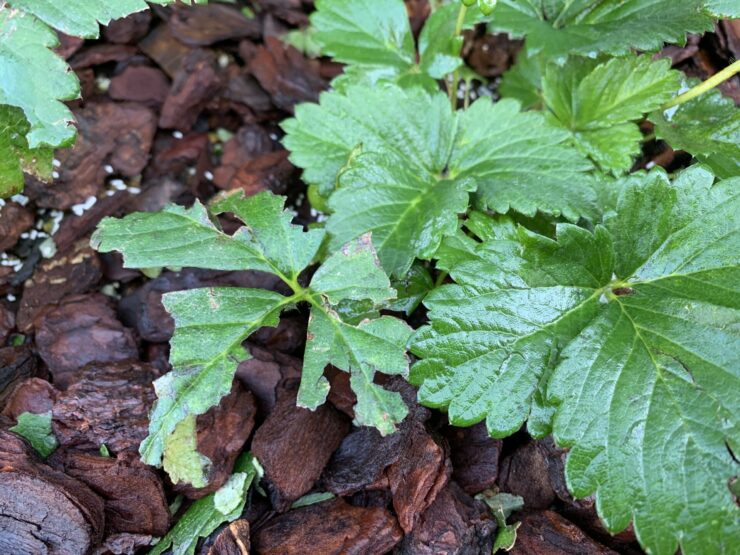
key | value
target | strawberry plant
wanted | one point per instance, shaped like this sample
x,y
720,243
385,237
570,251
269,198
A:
x,y
570,294
34,80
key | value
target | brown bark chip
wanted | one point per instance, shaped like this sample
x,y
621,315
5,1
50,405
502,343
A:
x,y
294,444
264,372
73,271
32,395
132,492
14,220
525,473
43,510
7,323
547,533
107,403
475,457
418,476
115,134
221,433
205,25
195,83
144,84
232,540
455,524
16,365
330,528
81,330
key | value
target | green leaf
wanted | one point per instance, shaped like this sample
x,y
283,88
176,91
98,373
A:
x,y
36,428
411,289
210,325
209,512
523,80
521,162
179,236
35,79
408,210
181,460
516,160
15,156
81,18
312,499
708,127
587,27
362,33
501,506
629,335
723,8
599,102
371,345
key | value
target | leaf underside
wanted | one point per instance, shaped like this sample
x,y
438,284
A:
x,y
624,343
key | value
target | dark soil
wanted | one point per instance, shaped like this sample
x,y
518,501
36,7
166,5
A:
x,y
177,104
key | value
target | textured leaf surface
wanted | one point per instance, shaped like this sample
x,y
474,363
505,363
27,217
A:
x,y
207,513
707,127
361,348
407,209
35,79
210,325
628,335
181,459
15,156
723,8
515,159
586,27
600,102
36,428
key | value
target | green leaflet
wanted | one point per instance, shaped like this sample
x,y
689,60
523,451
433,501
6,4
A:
x,y
723,8
599,103
209,512
35,79
707,127
36,428
376,42
361,347
181,459
211,323
558,28
15,156
414,144
629,335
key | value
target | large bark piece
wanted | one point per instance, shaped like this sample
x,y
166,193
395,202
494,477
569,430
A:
x,y
330,528
547,533
294,444
107,404
132,492
43,510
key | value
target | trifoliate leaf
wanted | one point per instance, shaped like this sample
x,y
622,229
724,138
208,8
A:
x,y
209,512
408,210
210,325
181,460
629,335
35,79
599,103
586,27
707,127
36,428
372,345
15,156
516,160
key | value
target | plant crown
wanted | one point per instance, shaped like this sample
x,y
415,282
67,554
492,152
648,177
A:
x,y
573,295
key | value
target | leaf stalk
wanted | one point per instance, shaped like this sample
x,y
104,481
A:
x,y
456,74
701,88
